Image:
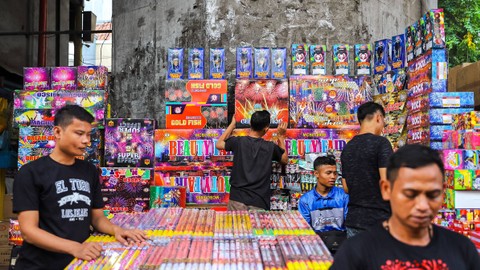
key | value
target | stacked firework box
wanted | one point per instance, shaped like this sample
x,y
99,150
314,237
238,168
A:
x,y
203,239
129,160
45,91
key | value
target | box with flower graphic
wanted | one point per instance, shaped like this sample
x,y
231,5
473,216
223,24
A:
x,y
64,78
36,78
92,77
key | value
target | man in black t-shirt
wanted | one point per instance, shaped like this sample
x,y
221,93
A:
x,y
252,162
58,197
364,161
408,240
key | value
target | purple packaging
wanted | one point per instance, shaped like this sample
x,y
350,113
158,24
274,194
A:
x,y
36,78
409,42
262,63
299,59
64,78
196,63
317,59
279,63
175,63
398,52
340,59
244,63
418,49
217,63
363,56
129,142
382,51
92,77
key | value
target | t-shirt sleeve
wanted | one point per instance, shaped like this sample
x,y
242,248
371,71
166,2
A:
x,y
473,259
230,143
348,257
304,210
26,194
277,153
384,152
97,200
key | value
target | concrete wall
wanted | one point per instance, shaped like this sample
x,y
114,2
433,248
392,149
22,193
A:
x,y
143,30
17,52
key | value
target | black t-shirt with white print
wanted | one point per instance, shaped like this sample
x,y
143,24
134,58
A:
x,y
64,196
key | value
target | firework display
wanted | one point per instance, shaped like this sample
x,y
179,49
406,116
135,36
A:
x,y
129,142
64,78
254,95
92,77
327,101
175,63
36,78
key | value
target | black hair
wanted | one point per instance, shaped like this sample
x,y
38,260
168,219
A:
x,y
413,156
65,115
260,120
325,160
368,109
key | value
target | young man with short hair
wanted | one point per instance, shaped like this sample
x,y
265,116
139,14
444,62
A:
x,y
408,239
58,197
364,161
325,206
252,162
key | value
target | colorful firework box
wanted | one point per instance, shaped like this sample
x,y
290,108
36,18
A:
x,y
318,60
409,42
419,45
391,81
300,59
126,189
398,52
363,56
436,145
167,197
428,73
382,58
36,78
459,179
419,135
279,63
394,104
438,29
196,63
181,147
255,95
64,78
175,63
460,159
262,63
327,101
340,56
217,63
92,77
129,142
190,116
461,139
434,117
244,63
26,155
196,91
45,117
436,131
452,100
465,120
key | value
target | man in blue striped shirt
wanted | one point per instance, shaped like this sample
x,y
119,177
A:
x,y
325,206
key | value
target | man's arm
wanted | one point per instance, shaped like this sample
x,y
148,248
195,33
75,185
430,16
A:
x,y
344,184
103,225
32,234
220,145
281,134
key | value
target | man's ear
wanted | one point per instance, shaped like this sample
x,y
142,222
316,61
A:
x,y
385,189
57,130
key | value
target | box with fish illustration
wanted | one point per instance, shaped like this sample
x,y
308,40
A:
x,y
196,63
398,52
318,60
279,63
341,59
262,63
300,63
129,142
167,196
64,78
196,91
175,63
363,59
36,78
190,116
382,58
217,63
126,189
92,77
255,95
244,63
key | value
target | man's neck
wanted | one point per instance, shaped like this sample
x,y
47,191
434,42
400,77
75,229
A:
x,y
367,129
323,190
256,134
61,157
409,236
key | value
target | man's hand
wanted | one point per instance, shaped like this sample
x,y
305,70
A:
x,y
129,236
87,251
282,129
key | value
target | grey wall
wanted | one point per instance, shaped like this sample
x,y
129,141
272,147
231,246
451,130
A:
x,y
144,29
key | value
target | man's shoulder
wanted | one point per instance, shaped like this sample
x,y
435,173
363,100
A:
x,y
35,164
337,191
450,236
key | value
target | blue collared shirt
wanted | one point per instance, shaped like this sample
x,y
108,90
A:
x,y
325,213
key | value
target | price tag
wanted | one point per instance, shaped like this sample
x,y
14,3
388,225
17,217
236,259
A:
x,y
451,102
447,118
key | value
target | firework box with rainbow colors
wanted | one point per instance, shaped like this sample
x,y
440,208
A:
x,y
167,197
36,78
428,73
126,189
182,147
191,116
129,142
196,91
64,78
327,101
92,77
257,95
26,155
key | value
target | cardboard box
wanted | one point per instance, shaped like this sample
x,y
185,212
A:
x,y
64,78
92,77
468,76
244,63
175,58
8,207
173,196
451,100
300,61
279,63
4,226
382,56
5,252
453,159
341,59
36,78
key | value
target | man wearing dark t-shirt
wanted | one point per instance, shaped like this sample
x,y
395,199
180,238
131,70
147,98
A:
x,y
58,197
364,161
407,239
252,162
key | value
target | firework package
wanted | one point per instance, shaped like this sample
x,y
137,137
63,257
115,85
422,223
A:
x,y
126,189
398,52
262,63
92,77
244,63
394,104
175,63
36,78
363,56
167,197
64,78
129,142
300,61
196,63
466,120
340,56
279,63
217,63
318,60
391,81
382,58
428,73
255,95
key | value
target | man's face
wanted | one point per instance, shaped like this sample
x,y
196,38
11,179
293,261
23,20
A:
x,y
326,175
73,139
416,195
